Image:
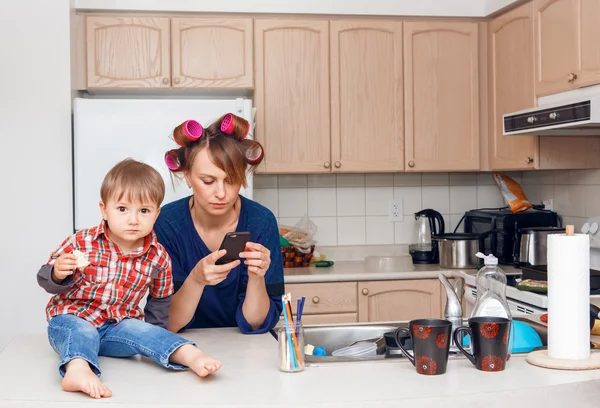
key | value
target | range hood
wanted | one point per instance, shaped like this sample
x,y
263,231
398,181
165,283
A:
x,y
578,116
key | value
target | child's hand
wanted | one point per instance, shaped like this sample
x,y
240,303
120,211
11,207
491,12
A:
x,y
63,267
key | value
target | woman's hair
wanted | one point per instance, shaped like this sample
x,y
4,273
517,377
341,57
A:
x,y
136,181
227,144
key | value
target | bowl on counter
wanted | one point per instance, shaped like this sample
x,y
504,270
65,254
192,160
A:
x,y
376,263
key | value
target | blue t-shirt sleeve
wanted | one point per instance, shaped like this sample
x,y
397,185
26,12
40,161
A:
x,y
273,280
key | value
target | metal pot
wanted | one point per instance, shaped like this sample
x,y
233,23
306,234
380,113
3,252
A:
x,y
534,244
457,250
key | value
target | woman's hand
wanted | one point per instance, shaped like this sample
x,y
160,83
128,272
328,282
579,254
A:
x,y
207,273
258,259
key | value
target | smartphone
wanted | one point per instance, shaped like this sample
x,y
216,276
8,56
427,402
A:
x,y
234,243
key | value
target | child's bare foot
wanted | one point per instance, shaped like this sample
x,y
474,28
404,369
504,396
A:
x,y
201,363
80,377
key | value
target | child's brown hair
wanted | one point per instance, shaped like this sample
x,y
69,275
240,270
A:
x,y
134,181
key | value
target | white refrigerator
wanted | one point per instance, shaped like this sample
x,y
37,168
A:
x,y
106,131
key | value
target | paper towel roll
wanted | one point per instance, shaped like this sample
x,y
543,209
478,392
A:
x,y
568,296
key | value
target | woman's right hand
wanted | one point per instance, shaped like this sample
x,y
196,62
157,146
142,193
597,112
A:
x,y
64,266
207,273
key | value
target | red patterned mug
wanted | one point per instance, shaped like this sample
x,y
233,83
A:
x,y
488,337
431,343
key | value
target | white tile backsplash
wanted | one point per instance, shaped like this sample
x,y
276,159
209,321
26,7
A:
x,y
322,202
350,201
378,200
352,209
351,230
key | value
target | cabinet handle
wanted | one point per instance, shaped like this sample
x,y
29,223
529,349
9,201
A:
x,y
166,81
365,291
316,299
327,165
411,164
177,80
571,77
529,160
338,164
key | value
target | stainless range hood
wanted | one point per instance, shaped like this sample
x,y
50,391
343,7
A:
x,y
574,117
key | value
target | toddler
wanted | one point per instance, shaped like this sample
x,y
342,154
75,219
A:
x,y
98,277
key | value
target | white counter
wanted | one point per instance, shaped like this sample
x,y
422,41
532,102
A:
x,y
250,377
358,271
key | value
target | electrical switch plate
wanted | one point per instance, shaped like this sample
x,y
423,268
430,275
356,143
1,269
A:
x,y
396,212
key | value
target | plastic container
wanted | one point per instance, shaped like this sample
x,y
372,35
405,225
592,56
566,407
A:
x,y
491,294
357,350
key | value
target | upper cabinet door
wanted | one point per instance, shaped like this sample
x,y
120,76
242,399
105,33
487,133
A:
x,y
511,87
556,45
212,52
441,79
589,65
366,95
292,94
128,52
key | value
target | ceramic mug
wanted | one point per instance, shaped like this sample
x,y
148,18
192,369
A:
x,y
489,342
431,343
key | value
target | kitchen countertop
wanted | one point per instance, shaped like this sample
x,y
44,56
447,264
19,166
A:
x,y
358,271
250,377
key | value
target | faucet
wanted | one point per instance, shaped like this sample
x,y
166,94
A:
x,y
453,311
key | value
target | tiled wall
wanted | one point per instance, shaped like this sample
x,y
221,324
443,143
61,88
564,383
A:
x,y
352,209
576,193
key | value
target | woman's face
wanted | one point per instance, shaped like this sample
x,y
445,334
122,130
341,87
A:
x,y
211,187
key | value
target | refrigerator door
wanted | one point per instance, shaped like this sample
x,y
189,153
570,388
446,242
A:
x,y
107,131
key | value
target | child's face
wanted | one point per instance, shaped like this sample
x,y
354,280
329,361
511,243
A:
x,y
129,222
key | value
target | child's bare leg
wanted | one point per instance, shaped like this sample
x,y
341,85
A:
x,y
80,377
201,363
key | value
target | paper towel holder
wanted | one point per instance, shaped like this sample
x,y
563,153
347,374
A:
x,y
541,358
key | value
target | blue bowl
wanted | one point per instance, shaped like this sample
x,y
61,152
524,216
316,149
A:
x,y
524,337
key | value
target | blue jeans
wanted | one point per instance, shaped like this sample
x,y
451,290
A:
x,y
73,337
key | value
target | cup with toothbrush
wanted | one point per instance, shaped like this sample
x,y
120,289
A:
x,y
290,337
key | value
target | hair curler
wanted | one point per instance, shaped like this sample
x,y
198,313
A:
x,y
174,159
228,126
190,130
254,154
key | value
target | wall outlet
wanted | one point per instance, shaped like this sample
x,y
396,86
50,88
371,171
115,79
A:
x,y
396,212
548,204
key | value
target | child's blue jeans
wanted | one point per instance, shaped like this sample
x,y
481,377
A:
x,y
73,337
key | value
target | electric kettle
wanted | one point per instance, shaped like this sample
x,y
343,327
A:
x,y
424,250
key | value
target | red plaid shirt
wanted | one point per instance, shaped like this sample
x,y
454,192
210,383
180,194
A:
x,y
113,285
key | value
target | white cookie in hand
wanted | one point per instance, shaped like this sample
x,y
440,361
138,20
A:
x,y
82,261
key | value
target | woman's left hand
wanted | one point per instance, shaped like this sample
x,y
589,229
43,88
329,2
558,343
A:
x,y
258,259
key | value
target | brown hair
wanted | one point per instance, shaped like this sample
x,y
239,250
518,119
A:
x,y
135,181
232,152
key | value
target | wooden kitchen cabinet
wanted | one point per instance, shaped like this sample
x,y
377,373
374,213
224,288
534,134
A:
x,y
567,50
441,97
212,52
511,77
292,94
128,52
326,302
367,121
138,52
381,301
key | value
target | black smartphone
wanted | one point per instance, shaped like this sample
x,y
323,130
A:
x,y
234,243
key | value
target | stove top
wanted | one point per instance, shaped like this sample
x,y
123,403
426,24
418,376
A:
x,y
540,272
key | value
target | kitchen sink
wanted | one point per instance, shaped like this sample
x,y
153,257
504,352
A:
x,y
336,336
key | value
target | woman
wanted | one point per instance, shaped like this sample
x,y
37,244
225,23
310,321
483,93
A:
x,y
246,292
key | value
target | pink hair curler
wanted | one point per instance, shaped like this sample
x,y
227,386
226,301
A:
x,y
172,160
190,130
255,154
227,126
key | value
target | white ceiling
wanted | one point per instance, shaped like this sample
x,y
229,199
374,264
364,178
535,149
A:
x,y
450,8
